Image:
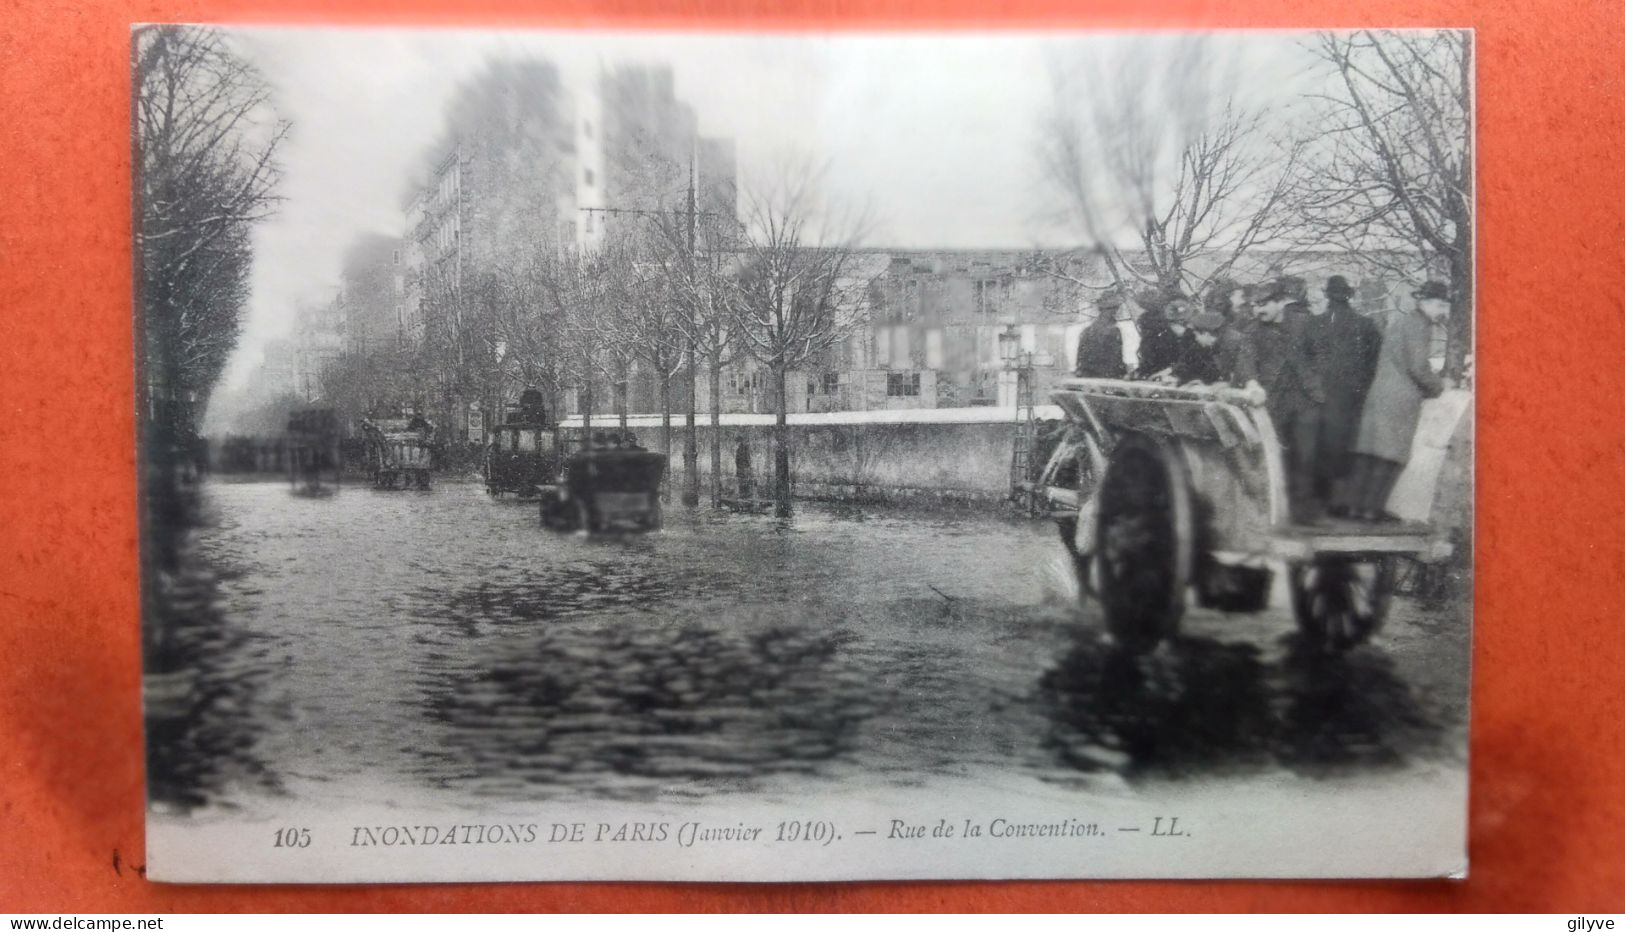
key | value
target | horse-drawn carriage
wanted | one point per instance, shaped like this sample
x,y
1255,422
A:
x,y
1158,490
527,453
398,451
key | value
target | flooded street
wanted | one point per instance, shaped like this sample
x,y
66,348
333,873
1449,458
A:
x,y
443,647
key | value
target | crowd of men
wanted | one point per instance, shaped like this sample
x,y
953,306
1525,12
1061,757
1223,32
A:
x,y
1343,390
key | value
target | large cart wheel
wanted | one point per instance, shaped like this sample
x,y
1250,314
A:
x,y
1143,542
1340,601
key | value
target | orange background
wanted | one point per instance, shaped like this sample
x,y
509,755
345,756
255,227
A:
x,y
1548,790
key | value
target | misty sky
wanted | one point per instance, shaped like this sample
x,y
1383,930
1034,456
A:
x,y
935,134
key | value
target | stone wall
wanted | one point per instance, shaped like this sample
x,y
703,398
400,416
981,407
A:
x,y
927,462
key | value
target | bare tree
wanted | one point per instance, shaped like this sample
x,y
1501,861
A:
x,y
1167,173
795,297
578,291
206,140
1393,169
647,325
529,329
702,277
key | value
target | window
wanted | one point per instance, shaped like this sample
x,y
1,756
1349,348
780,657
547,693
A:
x,y
902,384
586,174
933,349
525,441
986,295
832,383
588,222
586,128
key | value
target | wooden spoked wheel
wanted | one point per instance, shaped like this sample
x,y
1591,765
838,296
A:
x,y
1341,601
1143,542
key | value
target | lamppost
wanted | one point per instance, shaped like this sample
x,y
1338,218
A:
x,y
1013,358
1019,361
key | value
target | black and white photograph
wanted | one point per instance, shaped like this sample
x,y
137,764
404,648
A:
x,y
729,456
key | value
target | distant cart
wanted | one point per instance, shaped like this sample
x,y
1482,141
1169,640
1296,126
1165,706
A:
x,y
398,451
1159,490
605,490
527,452
313,452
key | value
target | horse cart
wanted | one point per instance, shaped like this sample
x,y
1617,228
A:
x,y
527,452
398,451
1159,491
606,489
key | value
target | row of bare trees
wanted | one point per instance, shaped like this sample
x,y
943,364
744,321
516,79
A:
x,y
669,294
1173,159
206,140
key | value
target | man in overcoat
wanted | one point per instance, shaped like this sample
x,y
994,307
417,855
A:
x,y
1289,369
1159,344
1222,356
1100,345
1350,342
1393,406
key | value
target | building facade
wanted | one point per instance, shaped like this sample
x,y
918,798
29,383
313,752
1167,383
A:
x,y
953,328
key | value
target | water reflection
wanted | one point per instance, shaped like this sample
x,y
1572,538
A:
x,y
633,710
1201,706
446,646
201,687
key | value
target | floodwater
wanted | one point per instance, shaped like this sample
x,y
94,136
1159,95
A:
x,y
444,645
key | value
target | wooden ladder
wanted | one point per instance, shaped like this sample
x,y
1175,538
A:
x,y
1022,490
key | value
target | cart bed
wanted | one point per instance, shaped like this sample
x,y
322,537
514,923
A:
x,y
1301,542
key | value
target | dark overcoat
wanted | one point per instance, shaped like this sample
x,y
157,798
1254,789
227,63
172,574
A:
x,y
1404,379
1349,343
1100,350
1159,345
1288,360
1228,361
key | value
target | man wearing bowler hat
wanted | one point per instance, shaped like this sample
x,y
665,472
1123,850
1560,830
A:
x,y
1100,346
1404,379
1289,368
1350,342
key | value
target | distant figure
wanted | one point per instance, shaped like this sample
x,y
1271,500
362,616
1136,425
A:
x,y
742,470
600,440
1100,346
615,441
629,441
1393,406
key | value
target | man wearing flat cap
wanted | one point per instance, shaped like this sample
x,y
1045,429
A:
x,y
1404,379
1100,346
1350,342
1289,368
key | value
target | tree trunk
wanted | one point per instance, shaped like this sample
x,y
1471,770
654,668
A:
x,y
624,400
691,450
1459,326
665,431
716,430
781,445
586,413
